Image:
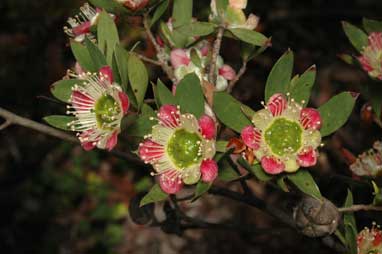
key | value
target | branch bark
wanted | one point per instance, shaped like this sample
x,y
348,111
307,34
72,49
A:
x,y
215,52
356,208
241,72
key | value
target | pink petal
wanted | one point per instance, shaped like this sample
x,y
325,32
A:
x,y
307,158
112,141
272,165
364,61
310,118
179,57
80,100
135,5
277,104
209,170
150,151
86,144
83,28
207,127
204,50
124,99
170,182
227,72
251,137
159,41
169,116
107,73
375,41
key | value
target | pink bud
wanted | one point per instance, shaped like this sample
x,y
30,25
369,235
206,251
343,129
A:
x,y
179,57
227,72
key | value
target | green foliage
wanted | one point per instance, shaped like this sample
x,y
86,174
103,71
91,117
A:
x,y
109,5
155,195
141,126
163,95
356,36
82,56
121,56
182,12
301,88
138,77
372,25
227,171
305,183
197,29
159,11
350,226
189,95
60,122
107,34
336,112
255,169
221,146
251,37
96,55
201,188
62,89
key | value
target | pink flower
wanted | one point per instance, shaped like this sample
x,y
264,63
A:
x,y
99,106
227,72
179,57
369,241
284,136
180,148
371,58
369,163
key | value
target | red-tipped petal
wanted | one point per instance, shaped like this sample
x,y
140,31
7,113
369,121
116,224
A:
x,y
209,170
178,57
80,100
310,118
277,104
112,141
169,183
169,116
375,41
227,72
272,165
107,73
307,158
150,151
124,99
88,146
207,127
81,29
251,137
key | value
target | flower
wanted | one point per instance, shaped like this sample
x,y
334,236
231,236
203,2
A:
x,y
284,136
180,148
134,5
99,106
371,58
370,241
80,25
369,163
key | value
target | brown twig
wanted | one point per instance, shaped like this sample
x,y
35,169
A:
x,y
148,60
241,72
356,208
215,53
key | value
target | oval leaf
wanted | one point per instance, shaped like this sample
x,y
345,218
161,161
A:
x,y
302,87
155,195
164,95
372,25
138,77
249,36
107,35
59,121
81,54
189,95
182,12
197,29
356,36
201,188
62,89
160,10
305,183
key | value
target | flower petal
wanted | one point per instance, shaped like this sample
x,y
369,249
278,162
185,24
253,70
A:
x,y
277,104
291,165
375,41
208,148
251,137
272,165
169,116
112,141
82,28
81,100
310,118
207,127
161,134
209,170
179,57
107,73
189,122
150,151
311,138
124,100
170,182
308,157
261,119
227,72
191,175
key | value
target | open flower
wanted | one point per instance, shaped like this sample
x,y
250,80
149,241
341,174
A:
x,y
180,149
80,25
98,105
370,241
134,5
369,163
284,136
371,58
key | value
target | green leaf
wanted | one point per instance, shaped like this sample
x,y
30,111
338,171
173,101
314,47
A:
x,y
372,25
255,169
189,95
160,10
107,35
305,183
228,110
155,195
60,122
138,76
164,95
281,183
221,5
201,188
336,112
247,111
356,36
350,226
226,172
221,146
96,55
249,36
302,88
109,6
147,110
82,56
62,89
197,29
195,58
121,56
182,12
141,126
279,78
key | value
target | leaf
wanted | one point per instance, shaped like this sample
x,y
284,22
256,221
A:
x,y
109,6
197,29
255,169
82,56
301,89
336,112
121,56
221,5
228,110
62,89
160,10
59,121
279,78
281,183
189,95
356,36
182,12
247,111
305,183
138,77
147,110
372,25
141,126
221,146
249,36
226,172
96,55
107,35
164,95
350,226
155,195
201,188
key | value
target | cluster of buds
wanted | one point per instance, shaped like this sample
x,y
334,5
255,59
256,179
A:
x,y
370,240
371,58
369,163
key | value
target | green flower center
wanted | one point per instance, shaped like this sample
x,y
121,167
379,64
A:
x,y
284,136
184,148
107,111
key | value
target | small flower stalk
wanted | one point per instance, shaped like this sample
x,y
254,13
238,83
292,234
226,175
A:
x,y
371,58
370,240
181,149
369,163
284,135
98,104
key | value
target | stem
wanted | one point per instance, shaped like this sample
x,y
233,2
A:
x,y
241,72
356,208
215,52
149,60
